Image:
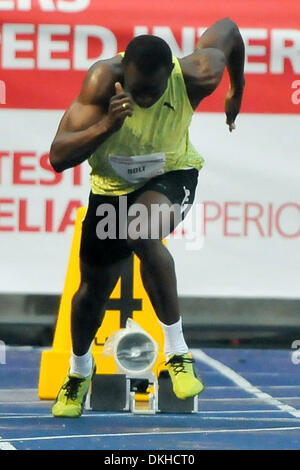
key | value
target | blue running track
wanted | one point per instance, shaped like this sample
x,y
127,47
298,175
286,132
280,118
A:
x,y
251,401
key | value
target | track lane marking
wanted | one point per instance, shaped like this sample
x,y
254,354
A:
x,y
154,433
243,383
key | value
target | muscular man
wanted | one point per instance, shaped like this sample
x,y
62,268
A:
x,y
139,104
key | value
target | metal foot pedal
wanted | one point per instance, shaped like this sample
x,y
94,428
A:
x,y
141,399
116,392
108,393
167,400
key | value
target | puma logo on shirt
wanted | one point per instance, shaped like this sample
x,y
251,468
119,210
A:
x,y
169,105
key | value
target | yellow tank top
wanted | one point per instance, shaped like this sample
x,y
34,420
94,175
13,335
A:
x,y
159,128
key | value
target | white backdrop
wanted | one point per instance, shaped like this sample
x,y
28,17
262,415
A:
x,y
249,186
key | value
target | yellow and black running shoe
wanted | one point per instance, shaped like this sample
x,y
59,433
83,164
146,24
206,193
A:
x,y
181,370
71,397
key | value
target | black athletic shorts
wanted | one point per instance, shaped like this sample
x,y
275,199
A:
x,y
179,186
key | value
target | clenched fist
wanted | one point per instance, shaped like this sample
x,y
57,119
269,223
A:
x,y
120,107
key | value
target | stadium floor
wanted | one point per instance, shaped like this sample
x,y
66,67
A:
x,y
251,401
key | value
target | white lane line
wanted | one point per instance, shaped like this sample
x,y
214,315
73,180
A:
x,y
15,390
245,399
209,387
6,445
127,414
231,418
152,433
240,411
250,399
235,387
50,416
164,417
243,383
228,418
24,402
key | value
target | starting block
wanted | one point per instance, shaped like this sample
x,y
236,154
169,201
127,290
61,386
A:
x,y
116,392
135,388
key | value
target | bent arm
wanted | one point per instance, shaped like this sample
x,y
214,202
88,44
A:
x,y
225,36
72,145
82,128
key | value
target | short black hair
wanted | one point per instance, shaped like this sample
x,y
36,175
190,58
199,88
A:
x,y
148,53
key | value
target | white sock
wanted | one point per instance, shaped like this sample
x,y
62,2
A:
x,y
174,340
81,365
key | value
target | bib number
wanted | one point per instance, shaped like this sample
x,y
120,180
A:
x,y
138,168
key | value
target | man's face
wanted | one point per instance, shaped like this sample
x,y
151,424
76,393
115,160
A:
x,y
145,89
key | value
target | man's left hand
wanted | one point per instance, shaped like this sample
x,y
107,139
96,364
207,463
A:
x,y
233,102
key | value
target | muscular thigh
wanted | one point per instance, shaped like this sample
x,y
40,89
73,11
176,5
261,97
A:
x,y
164,201
97,248
152,216
152,211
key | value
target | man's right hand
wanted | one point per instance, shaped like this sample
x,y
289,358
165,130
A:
x,y
120,107
87,123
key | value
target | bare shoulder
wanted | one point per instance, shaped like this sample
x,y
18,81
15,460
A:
x,y
202,72
202,61
98,84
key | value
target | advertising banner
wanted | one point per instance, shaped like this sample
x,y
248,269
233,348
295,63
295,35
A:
x,y
248,196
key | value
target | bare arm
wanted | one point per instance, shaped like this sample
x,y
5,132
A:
x,y
86,124
225,36
220,46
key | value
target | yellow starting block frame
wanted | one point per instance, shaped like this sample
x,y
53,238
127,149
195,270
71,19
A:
x,y
128,299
